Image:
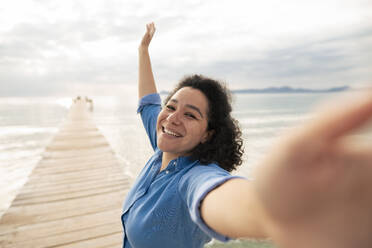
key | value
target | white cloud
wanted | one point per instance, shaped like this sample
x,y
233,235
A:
x,y
62,44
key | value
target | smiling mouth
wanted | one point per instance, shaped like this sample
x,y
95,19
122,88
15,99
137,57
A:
x,y
166,131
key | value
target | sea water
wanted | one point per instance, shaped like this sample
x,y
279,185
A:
x,y
27,125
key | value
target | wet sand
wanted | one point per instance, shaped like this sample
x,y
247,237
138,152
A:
x,y
73,196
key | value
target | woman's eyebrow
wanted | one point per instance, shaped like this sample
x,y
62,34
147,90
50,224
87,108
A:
x,y
190,106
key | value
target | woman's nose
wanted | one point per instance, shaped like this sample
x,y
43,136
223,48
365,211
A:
x,y
174,118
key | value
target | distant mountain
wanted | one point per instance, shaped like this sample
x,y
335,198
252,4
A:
x,y
283,89
286,89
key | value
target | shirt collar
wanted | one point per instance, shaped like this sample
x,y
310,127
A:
x,y
177,163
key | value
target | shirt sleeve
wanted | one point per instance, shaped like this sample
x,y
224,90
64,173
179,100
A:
x,y
149,107
193,188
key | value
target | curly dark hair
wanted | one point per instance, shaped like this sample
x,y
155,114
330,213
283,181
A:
x,y
225,147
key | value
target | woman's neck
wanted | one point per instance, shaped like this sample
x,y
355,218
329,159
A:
x,y
166,158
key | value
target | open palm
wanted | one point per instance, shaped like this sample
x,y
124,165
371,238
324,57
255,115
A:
x,y
316,185
146,39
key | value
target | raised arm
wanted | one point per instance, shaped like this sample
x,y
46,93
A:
x,y
146,82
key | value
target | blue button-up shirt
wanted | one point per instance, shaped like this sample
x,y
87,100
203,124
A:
x,y
162,207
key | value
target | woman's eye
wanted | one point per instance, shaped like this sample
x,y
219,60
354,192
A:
x,y
170,107
190,115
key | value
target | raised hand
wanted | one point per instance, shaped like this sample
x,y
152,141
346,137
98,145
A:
x,y
146,82
150,30
316,184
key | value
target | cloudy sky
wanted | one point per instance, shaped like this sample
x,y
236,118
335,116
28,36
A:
x,y
55,47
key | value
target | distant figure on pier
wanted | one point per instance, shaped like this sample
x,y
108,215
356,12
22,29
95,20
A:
x,y
90,102
87,101
78,98
313,189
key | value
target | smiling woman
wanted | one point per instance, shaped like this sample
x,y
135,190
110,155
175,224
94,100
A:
x,y
311,190
194,137
222,141
182,124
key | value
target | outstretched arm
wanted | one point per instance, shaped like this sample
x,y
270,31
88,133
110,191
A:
x,y
314,189
146,82
234,210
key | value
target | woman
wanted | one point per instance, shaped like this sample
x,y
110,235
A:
x,y
313,190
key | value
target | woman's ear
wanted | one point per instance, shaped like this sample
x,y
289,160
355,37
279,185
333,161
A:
x,y
208,135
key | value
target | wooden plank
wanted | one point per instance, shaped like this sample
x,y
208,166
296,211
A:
x,y
74,195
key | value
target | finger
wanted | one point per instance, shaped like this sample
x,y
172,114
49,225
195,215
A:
x,y
152,27
342,117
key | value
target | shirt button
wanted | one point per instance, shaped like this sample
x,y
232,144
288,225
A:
x,y
167,171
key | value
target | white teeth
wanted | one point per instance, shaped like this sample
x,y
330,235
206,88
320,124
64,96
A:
x,y
170,132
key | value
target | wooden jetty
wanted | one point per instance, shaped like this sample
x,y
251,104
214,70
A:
x,y
73,196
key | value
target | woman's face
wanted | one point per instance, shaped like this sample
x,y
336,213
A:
x,y
182,123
